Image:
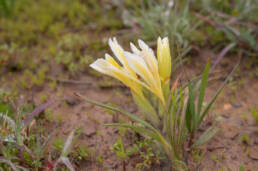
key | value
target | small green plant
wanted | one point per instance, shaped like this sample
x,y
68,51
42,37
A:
x,y
227,19
99,159
145,148
58,144
17,139
81,152
242,168
245,139
214,157
119,149
18,143
142,148
254,112
171,114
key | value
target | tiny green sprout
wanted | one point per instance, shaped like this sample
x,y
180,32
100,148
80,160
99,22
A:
x,y
245,139
132,150
81,152
256,72
118,93
254,112
53,84
99,132
242,168
146,152
59,117
198,155
99,159
58,144
43,97
119,149
244,117
248,151
49,114
214,157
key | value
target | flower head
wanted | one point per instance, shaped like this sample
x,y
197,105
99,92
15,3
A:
x,y
139,68
123,73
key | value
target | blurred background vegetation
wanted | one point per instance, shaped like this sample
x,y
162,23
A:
x,y
68,33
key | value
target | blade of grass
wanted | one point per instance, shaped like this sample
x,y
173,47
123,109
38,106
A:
x,y
67,163
68,145
206,136
190,112
206,110
202,88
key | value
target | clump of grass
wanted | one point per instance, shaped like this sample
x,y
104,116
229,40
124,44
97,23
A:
x,y
230,22
21,146
171,113
167,18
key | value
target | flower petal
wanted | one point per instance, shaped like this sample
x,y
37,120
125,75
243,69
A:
x,y
148,55
135,49
164,58
139,66
117,50
111,61
111,68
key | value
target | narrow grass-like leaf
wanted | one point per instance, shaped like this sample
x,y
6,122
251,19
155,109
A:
x,y
68,145
206,136
190,112
202,88
67,163
147,109
206,110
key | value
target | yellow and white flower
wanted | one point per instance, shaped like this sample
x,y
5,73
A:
x,y
123,73
142,62
145,64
